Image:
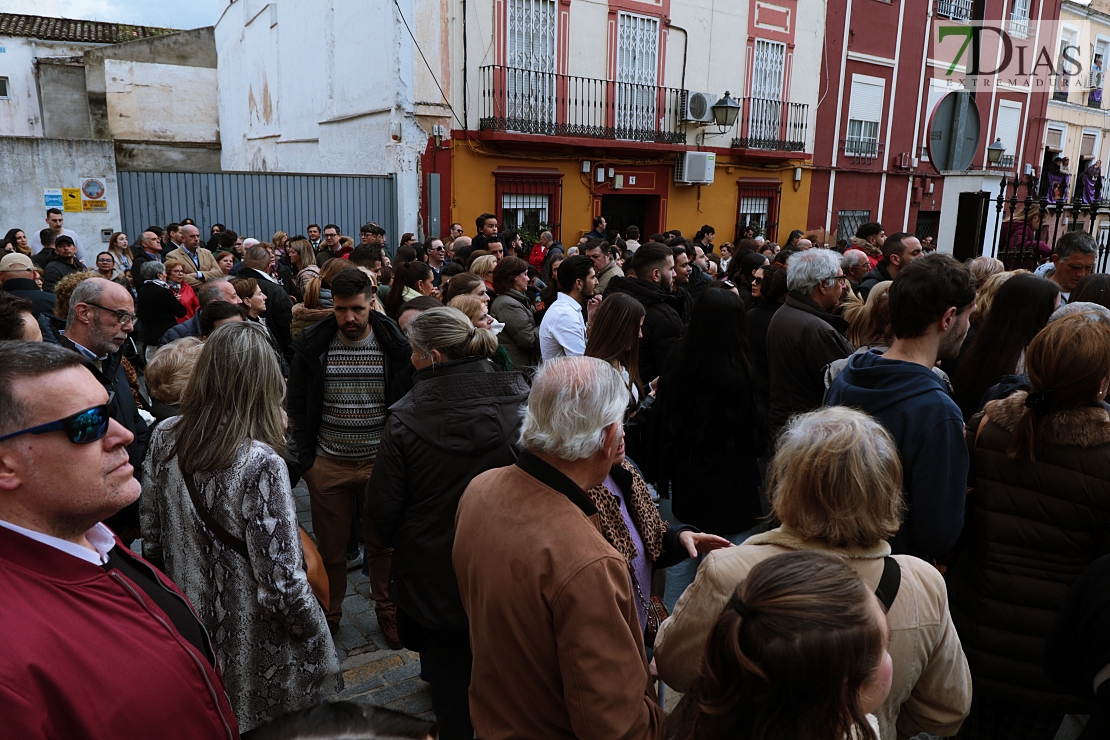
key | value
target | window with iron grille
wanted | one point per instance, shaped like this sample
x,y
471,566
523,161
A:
x,y
768,70
957,10
637,75
529,201
1019,19
531,60
758,207
848,223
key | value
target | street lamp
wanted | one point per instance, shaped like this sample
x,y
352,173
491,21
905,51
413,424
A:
x,y
995,151
725,111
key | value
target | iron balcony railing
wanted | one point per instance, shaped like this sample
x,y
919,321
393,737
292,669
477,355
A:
x,y
957,10
861,150
520,100
771,124
1019,25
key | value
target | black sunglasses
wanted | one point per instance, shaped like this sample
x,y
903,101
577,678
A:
x,y
80,428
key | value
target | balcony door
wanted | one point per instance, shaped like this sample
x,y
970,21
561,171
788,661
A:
x,y
531,66
637,75
765,106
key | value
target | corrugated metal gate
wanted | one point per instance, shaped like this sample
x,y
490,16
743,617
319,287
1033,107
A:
x,y
257,205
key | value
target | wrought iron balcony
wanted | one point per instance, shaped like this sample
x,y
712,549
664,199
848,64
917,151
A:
x,y
547,103
957,10
861,150
772,125
1019,25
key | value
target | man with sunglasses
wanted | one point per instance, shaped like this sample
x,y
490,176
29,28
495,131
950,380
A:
x,y
101,319
436,254
100,643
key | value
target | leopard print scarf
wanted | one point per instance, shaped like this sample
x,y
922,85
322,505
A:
x,y
644,514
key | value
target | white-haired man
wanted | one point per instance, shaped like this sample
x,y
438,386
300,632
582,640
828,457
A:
x,y
804,336
558,650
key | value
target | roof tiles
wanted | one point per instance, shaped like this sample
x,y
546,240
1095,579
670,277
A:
x,y
65,29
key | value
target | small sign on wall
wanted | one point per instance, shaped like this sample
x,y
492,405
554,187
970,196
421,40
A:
x,y
53,197
92,193
72,199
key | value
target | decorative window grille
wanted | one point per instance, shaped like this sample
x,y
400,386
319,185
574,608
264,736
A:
x,y
637,74
531,60
1019,19
865,113
768,69
529,200
521,212
848,223
758,206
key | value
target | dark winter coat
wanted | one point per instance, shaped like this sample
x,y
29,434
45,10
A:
x,y
190,328
41,301
662,328
279,309
514,310
159,310
759,320
802,339
460,419
306,378
878,275
57,268
1032,528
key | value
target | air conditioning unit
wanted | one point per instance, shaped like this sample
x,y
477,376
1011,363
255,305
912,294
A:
x,y
695,168
697,107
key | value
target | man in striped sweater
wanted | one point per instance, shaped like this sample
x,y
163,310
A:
x,y
342,369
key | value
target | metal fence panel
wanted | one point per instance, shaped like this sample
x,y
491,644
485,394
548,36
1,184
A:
x,y
257,205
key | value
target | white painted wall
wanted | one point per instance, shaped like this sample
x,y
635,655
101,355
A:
x,y
161,102
32,164
21,114
964,182
320,88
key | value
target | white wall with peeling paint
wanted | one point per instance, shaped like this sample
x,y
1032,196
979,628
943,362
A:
x,y
161,102
329,88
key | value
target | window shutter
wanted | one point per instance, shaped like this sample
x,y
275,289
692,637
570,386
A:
x,y
867,99
1008,126
1054,139
768,69
1087,146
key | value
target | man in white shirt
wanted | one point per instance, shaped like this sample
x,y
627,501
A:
x,y
54,220
562,331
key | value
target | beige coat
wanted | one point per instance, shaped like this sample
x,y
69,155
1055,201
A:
x,y
931,688
558,651
208,265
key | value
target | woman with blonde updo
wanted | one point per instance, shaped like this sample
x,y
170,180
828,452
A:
x,y
460,419
478,312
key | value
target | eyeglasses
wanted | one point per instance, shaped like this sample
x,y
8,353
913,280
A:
x,y
842,279
440,248
124,317
757,281
80,428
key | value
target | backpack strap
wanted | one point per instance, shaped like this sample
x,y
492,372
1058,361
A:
x,y
220,533
887,591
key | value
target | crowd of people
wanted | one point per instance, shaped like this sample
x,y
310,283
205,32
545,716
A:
x,y
823,493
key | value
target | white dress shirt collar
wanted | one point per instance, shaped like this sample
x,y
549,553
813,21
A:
x,y
100,537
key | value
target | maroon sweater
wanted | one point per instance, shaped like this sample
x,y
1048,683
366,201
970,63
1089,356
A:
x,y
87,653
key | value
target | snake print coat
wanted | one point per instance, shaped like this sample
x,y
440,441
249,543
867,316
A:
x,y
269,631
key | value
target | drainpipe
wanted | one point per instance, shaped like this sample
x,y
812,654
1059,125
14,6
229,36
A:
x,y
466,95
685,46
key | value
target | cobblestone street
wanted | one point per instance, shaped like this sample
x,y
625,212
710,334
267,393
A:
x,y
372,673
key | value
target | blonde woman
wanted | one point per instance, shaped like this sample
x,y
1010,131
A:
x,y
304,263
483,268
217,510
167,374
478,312
836,486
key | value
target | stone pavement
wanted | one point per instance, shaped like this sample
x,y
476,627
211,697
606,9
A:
x,y
372,673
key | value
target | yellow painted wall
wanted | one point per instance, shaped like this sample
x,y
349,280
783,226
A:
x,y
473,191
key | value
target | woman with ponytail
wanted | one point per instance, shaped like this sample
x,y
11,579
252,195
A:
x,y
460,419
835,485
1039,514
799,651
410,279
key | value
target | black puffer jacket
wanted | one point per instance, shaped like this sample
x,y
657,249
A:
x,y
873,278
460,419
662,327
306,377
1032,528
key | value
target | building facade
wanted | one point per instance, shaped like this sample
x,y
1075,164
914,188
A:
x,y
880,92
561,111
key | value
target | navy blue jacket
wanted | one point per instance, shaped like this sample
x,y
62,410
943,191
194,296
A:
x,y
928,427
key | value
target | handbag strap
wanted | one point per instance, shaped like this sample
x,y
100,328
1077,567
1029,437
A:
x,y
890,582
221,534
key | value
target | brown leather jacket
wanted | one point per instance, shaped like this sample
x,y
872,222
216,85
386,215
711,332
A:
x,y
557,646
